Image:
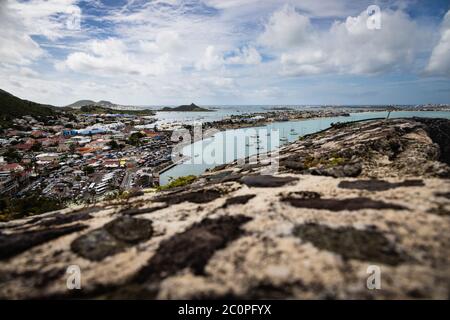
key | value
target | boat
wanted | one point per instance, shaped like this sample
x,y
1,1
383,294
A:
x,y
283,138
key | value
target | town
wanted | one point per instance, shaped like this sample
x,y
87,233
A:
x,y
79,158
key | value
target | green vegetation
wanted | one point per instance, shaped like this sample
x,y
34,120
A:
x,y
135,139
186,108
36,147
13,107
19,208
89,170
114,145
11,155
96,109
332,161
179,182
81,103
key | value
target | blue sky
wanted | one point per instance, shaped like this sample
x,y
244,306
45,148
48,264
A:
x,y
170,52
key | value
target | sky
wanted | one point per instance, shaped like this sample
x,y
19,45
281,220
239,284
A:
x,y
226,52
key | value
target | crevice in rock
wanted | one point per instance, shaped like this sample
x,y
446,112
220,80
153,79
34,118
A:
x,y
238,200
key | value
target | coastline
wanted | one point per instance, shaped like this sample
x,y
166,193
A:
x,y
241,125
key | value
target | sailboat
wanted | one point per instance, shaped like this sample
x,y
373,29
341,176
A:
x,y
283,138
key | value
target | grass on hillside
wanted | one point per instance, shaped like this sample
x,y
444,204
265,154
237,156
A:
x,y
179,182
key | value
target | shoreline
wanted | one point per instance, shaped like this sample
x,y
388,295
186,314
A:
x,y
241,125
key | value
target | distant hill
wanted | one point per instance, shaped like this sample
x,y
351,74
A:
x,y
13,107
81,103
102,103
107,104
98,109
186,108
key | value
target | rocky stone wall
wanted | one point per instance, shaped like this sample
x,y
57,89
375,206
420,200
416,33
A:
x,y
354,196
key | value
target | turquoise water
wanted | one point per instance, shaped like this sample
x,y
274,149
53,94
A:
x,y
227,146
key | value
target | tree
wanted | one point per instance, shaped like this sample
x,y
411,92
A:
x,y
36,147
135,139
145,181
72,148
88,170
113,145
12,155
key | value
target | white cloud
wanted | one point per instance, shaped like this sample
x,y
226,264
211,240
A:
x,y
439,63
111,57
28,72
286,28
165,42
17,47
246,55
214,59
211,59
347,47
49,18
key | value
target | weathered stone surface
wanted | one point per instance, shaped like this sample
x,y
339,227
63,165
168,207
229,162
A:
x,y
138,211
375,149
350,243
246,235
378,185
350,204
238,200
97,245
439,132
16,243
193,247
266,181
443,194
130,230
348,170
198,196
301,195
113,238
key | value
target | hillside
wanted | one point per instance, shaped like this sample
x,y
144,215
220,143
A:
x,y
98,109
186,108
101,103
12,107
80,103
354,196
